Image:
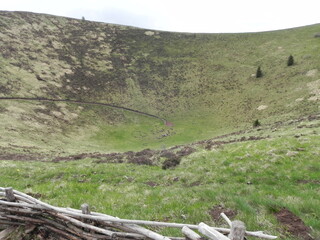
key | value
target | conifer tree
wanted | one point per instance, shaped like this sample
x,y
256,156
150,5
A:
x,y
290,61
256,123
259,73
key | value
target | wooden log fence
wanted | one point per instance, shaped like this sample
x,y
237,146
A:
x,y
18,209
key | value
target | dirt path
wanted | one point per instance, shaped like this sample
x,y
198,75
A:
x,y
86,103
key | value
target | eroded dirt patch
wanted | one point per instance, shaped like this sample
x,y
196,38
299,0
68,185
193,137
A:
x,y
185,151
170,157
21,156
218,209
293,224
209,144
151,184
167,158
141,160
171,162
193,184
306,181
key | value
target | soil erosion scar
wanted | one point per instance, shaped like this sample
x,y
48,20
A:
x,y
87,103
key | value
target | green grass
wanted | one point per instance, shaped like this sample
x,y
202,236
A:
x,y
221,176
201,82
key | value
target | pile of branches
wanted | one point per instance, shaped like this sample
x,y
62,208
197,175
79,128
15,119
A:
x,y
19,209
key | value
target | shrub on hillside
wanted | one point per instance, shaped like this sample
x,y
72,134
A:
x,y
256,123
290,61
259,73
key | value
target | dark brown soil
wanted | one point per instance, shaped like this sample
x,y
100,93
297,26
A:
x,y
185,151
151,184
172,156
305,181
171,162
194,184
20,157
293,224
144,157
142,160
209,144
71,157
167,154
146,152
218,209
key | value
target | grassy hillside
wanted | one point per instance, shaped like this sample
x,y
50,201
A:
x,y
209,159
251,180
202,83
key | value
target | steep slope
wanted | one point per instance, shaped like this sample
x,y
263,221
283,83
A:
x,y
203,83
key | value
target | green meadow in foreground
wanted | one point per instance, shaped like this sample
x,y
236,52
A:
x,y
254,178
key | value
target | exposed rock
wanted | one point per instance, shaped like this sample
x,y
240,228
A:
x,y
262,107
291,153
311,73
149,33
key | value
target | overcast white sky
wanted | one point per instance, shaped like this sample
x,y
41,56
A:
x,y
182,15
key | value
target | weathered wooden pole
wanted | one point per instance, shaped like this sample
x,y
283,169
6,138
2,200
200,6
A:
x,y
85,209
211,233
238,230
190,234
9,194
225,217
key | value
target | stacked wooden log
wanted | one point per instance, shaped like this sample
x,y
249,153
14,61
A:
x,y
17,208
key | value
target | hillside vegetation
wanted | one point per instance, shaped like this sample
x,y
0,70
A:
x,y
203,83
252,181
219,139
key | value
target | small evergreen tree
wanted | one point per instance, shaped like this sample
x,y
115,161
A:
x,y
290,61
256,123
259,73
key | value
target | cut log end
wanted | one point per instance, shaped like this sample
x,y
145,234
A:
x,y
9,194
238,230
85,209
